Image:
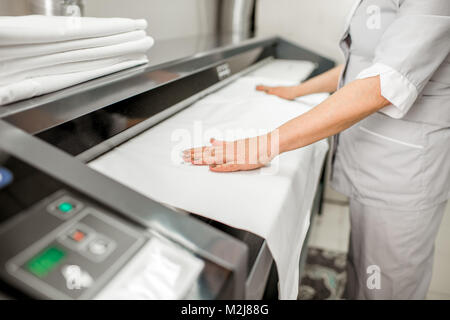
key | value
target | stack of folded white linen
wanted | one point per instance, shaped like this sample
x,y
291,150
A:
x,y
42,54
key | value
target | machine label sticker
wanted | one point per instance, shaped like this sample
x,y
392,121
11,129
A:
x,y
223,71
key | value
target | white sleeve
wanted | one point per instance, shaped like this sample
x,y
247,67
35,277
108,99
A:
x,y
396,88
409,53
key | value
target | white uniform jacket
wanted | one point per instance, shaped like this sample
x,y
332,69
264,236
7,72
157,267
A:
x,y
399,157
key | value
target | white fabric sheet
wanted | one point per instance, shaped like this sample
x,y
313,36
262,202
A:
x,y
273,202
40,29
32,87
22,65
38,49
282,70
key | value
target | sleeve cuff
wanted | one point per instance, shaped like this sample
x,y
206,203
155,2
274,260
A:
x,y
394,87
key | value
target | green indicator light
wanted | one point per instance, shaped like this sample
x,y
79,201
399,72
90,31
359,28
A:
x,y
42,264
65,207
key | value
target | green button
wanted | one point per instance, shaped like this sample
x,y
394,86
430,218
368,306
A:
x,y
65,207
43,263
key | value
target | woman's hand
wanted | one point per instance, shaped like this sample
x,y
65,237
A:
x,y
325,82
239,155
288,93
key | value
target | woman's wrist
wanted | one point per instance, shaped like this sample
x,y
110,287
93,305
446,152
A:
x,y
274,144
299,90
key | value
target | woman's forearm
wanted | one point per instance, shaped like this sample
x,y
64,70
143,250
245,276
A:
x,y
325,82
341,110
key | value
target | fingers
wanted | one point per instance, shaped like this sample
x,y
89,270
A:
x,y
199,156
276,91
215,142
225,151
272,91
233,167
190,154
266,89
261,88
215,154
226,167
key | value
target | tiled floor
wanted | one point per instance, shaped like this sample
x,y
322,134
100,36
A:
x,y
331,231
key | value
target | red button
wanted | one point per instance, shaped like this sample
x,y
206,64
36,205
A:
x,y
78,235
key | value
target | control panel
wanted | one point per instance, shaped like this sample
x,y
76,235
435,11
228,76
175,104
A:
x,y
73,259
61,240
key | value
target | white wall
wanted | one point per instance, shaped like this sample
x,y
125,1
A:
x,y
313,24
166,18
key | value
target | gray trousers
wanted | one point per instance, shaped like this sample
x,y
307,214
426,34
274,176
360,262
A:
x,y
391,252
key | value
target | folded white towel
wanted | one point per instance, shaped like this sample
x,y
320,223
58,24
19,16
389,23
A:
x,y
40,29
37,86
19,65
64,68
11,67
33,50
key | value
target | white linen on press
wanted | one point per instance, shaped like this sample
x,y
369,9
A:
x,y
282,70
274,206
10,52
40,29
40,85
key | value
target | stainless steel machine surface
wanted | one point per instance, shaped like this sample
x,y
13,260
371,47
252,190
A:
x,y
57,134
235,18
